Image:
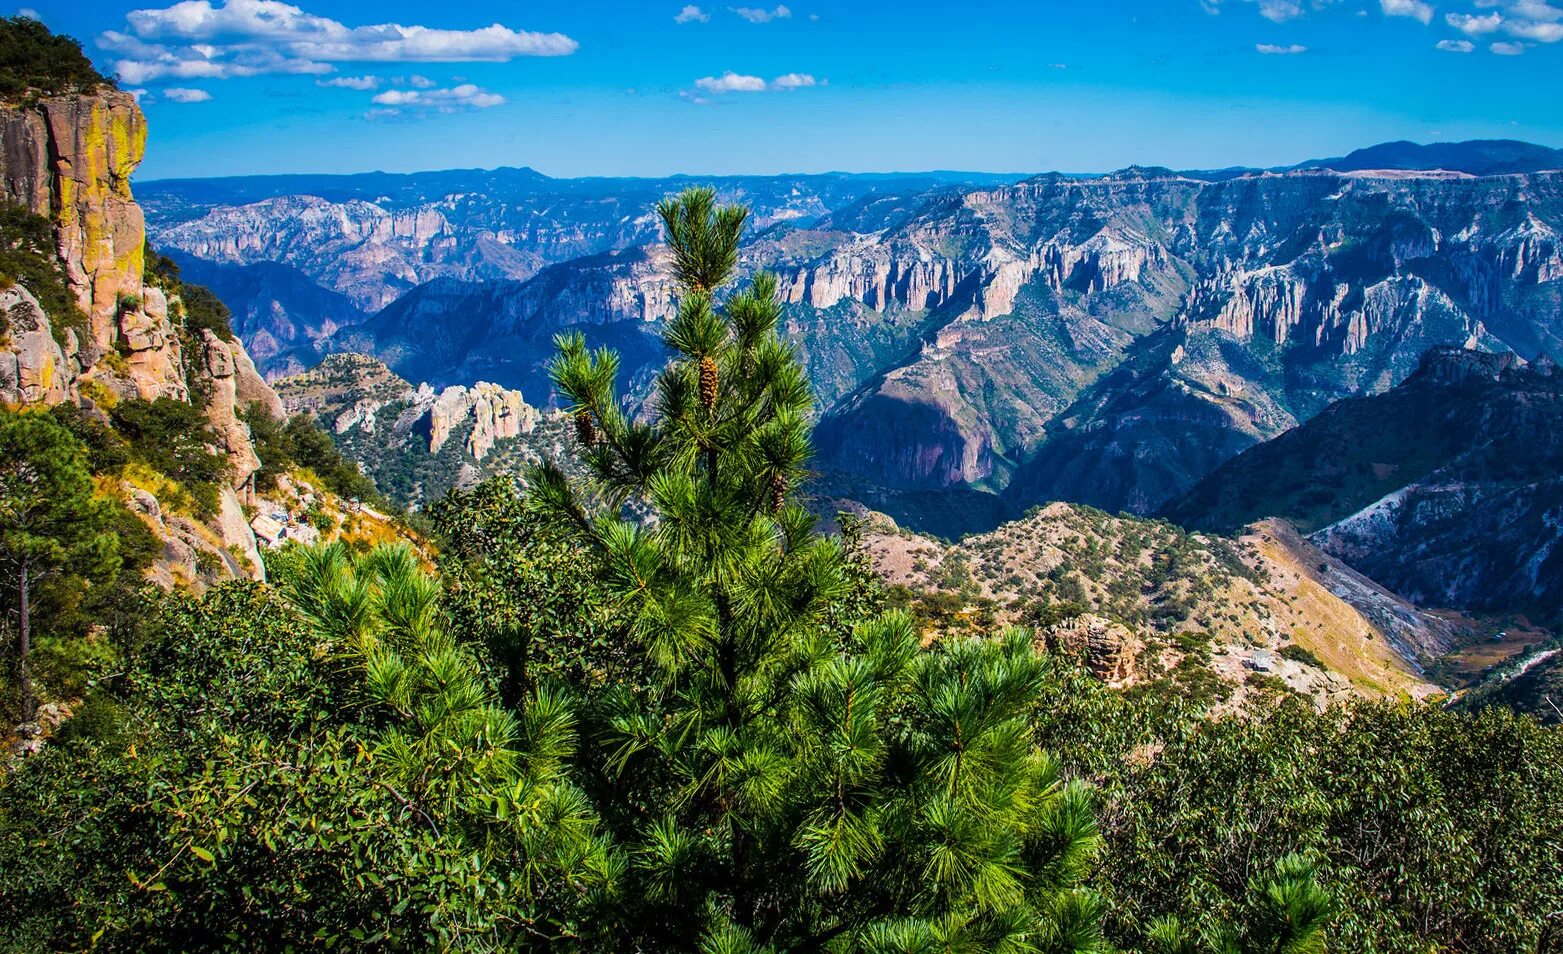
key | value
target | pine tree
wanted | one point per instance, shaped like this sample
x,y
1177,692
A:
x,y
51,521
792,778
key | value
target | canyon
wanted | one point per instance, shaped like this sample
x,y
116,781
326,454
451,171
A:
x,y
1104,339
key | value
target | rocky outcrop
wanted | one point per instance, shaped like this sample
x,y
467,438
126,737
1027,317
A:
x,y
1107,647
220,387
493,412
70,159
32,365
357,395
250,388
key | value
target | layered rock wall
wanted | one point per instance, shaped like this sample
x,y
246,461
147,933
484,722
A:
x,y
69,159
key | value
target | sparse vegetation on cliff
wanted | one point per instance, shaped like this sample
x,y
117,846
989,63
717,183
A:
x,y
37,62
28,258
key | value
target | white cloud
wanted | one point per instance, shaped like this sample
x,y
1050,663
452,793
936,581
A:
x,y
761,15
1507,49
793,81
1279,11
1536,10
421,82
141,95
691,14
194,38
731,82
464,96
1273,50
1456,46
28,13
1415,9
1472,25
1535,30
181,95
359,83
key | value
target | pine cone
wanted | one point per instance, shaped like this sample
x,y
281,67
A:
x,y
708,382
585,430
778,492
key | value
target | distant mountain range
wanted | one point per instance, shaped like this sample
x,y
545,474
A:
x,y
995,341
1478,157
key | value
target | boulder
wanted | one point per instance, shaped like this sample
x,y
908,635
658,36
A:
x,y
33,368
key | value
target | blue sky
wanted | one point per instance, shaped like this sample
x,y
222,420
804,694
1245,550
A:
x,y
590,87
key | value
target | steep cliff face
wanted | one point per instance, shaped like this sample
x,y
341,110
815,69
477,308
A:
x,y
69,160
372,237
1445,488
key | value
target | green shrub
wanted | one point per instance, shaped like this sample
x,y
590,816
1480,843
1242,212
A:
x,y
175,439
1299,654
35,61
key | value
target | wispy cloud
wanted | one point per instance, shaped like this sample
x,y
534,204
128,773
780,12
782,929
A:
x,y
1276,11
1507,49
465,96
197,39
731,82
179,94
1536,21
360,83
762,15
691,14
1456,46
1472,25
1271,49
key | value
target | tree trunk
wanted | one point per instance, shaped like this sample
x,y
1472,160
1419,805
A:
x,y
29,704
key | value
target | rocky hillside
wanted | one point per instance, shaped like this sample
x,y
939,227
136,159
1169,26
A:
x,y
369,239
416,442
1446,488
1054,338
1143,601
91,319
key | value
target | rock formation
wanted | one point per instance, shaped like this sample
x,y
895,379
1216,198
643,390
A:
x,y
1106,647
32,365
69,159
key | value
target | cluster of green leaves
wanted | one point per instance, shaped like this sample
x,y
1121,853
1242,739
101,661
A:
x,y
82,550
297,442
35,61
321,769
515,586
28,258
1429,828
175,439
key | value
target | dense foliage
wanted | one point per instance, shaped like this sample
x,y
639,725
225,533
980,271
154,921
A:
x,y
35,61
175,439
84,549
1432,829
